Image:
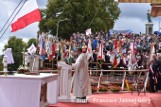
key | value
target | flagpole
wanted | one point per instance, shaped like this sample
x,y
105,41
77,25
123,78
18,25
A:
x,y
57,29
23,56
159,26
93,18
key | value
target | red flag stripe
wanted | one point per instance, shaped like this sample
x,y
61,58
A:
x,y
26,20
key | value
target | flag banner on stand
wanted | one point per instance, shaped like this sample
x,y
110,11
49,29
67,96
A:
x,y
132,63
42,52
152,52
29,14
88,31
32,49
132,52
115,57
100,53
54,47
89,50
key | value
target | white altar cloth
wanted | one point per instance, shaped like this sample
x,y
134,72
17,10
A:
x,y
21,90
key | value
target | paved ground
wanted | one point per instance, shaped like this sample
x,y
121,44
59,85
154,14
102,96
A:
x,y
118,100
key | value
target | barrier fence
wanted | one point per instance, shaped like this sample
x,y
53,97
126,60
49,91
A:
x,y
118,77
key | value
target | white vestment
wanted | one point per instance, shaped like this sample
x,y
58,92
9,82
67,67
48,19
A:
x,y
82,85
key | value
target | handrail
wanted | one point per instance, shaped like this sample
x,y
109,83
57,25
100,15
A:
x,y
122,70
139,70
101,74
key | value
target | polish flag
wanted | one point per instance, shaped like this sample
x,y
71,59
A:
x,y
152,52
116,50
89,50
132,63
100,53
29,14
41,45
132,52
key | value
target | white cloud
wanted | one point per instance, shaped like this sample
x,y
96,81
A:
x,y
134,16
134,10
134,24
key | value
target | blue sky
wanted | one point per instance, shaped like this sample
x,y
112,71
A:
x,y
133,17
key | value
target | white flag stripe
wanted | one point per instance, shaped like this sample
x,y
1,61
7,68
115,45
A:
x,y
28,7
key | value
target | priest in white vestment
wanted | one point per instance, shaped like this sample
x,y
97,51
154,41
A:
x,y
81,83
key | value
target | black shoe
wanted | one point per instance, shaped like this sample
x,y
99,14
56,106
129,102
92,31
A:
x,y
83,97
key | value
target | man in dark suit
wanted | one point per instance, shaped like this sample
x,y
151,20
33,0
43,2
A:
x,y
157,71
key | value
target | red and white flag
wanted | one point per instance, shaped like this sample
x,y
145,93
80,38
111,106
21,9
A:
x,y
54,47
100,53
29,14
89,50
115,56
41,45
132,49
132,63
152,52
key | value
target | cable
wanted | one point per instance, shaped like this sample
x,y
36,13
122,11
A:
x,y
13,19
93,18
11,15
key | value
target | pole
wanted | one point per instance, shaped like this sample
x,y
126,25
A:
x,y
159,26
57,30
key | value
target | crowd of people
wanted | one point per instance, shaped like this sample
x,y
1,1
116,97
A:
x,y
145,52
131,51
141,48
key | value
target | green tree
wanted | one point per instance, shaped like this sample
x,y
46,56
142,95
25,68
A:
x,y
100,15
17,45
31,41
1,64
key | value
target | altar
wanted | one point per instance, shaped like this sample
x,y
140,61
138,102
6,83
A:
x,y
22,90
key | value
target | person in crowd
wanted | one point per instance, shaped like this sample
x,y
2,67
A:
x,y
94,44
152,74
157,71
123,61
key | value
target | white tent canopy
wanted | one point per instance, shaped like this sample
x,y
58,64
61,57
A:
x,y
120,31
